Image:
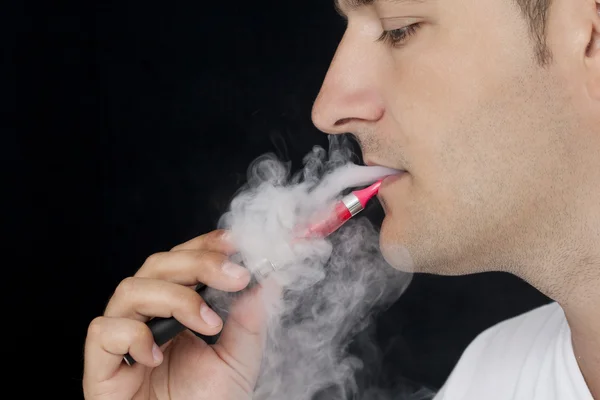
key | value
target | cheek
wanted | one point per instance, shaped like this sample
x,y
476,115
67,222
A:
x,y
449,74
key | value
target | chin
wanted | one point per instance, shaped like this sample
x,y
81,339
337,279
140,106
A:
x,y
405,251
394,249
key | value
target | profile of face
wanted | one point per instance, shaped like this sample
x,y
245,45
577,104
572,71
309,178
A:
x,y
497,146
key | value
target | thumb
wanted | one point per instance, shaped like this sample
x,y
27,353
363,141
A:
x,y
243,337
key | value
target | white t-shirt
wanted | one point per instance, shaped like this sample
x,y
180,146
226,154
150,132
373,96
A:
x,y
528,357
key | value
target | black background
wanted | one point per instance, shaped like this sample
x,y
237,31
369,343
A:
x,y
135,125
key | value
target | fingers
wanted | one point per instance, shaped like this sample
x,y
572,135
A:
x,y
160,288
188,267
214,241
108,339
140,298
241,343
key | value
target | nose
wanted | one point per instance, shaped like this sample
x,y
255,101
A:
x,y
349,93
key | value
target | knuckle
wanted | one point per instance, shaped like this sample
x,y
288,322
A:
x,y
220,236
140,332
96,327
217,233
187,299
210,238
210,260
126,286
199,257
153,266
153,259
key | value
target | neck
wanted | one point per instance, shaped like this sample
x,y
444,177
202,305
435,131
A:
x,y
564,264
572,277
584,321
581,299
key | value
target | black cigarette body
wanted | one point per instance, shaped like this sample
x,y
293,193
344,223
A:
x,y
165,329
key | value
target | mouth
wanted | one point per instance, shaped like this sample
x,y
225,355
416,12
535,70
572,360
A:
x,y
388,181
400,172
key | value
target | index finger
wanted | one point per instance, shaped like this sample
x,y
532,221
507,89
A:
x,y
216,241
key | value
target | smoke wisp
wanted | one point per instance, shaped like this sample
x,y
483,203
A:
x,y
332,287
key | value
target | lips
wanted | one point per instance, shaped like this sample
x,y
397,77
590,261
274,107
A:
x,y
392,178
371,163
388,180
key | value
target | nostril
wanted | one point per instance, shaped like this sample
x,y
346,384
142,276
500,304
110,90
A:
x,y
342,121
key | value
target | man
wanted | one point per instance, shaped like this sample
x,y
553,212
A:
x,y
493,109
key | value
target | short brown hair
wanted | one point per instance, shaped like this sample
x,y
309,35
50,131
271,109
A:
x,y
536,13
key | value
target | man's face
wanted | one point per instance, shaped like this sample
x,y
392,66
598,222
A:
x,y
487,135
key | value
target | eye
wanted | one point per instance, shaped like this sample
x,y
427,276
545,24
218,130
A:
x,y
399,37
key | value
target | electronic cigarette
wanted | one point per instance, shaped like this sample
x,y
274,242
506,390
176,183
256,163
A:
x,y
164,329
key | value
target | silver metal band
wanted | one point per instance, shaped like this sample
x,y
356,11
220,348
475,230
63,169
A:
x,y
352,204
265,267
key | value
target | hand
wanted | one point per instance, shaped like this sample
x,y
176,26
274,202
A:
x,y
185,367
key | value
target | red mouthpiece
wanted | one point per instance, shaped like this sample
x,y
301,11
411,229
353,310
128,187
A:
x,y
367,194
343,210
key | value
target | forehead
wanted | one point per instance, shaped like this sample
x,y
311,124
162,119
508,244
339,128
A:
x,y
354,4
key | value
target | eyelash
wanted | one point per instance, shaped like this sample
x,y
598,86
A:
x,y
406,32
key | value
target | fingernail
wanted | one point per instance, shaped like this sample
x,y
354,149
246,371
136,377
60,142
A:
x,y
234,270
209,316
228,238
156,353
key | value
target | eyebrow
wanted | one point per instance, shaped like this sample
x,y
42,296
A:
x,y
355,4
